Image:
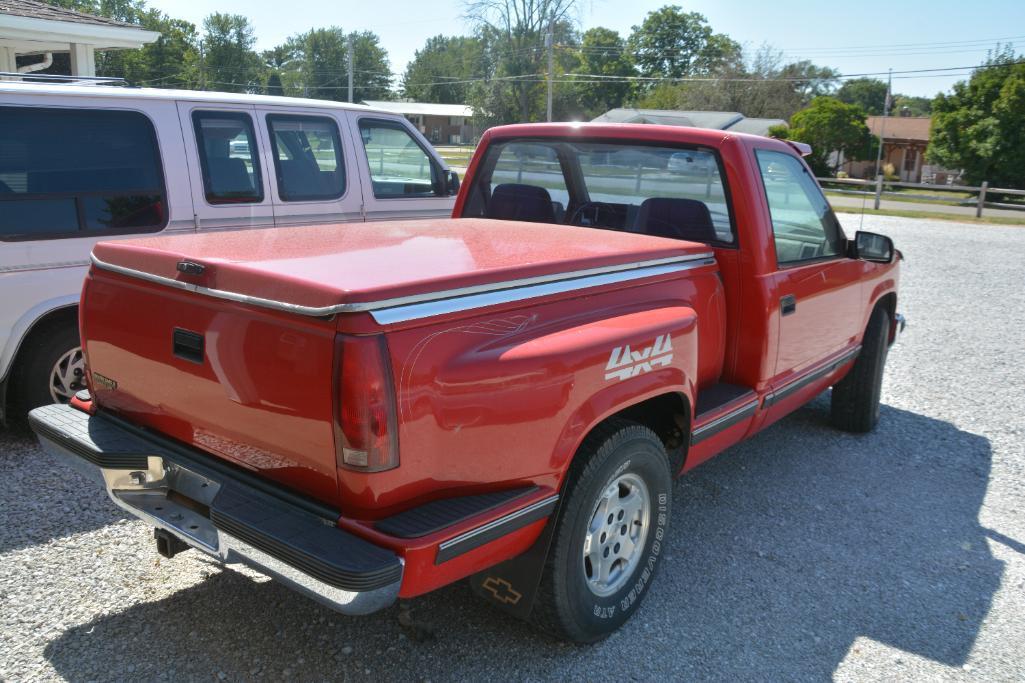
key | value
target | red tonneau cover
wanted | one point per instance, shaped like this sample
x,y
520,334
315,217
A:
x,y
330,265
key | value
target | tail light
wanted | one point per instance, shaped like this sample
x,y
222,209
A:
x,y
367,439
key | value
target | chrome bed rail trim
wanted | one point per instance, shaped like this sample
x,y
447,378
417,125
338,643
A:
x,y
402,308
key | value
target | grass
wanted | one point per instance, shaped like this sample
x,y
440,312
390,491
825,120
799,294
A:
x,y
932,215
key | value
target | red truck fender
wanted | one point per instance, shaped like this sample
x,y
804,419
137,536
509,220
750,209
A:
x,y
651,353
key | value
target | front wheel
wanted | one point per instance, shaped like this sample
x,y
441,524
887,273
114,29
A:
x,y
610,534
854,404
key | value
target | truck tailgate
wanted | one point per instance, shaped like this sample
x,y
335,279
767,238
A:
x,y
249,385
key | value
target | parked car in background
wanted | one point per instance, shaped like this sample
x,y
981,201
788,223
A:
x,y
79,163
689,163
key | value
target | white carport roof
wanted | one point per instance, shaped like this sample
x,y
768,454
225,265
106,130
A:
x,y
30,27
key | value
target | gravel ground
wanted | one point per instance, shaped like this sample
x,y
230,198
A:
x,y
803,554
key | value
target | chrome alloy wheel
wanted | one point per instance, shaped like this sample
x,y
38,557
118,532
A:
x,y
68,376
616,534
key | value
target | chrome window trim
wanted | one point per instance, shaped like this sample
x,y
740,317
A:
x,y
414,307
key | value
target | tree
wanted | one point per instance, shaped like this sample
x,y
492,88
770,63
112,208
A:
x,y
277,61
759,85
443,69
316,64
172,61
228,61
978,127
867,93
513,35
671,43
916,106
603,53
829,125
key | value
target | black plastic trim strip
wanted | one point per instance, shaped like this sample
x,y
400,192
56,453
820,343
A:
x,y
440,514
491,531
812,376
729,419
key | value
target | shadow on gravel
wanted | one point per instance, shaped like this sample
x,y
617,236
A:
x,y
782,553
41,498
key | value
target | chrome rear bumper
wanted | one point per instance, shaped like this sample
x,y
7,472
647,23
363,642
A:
x,y
223,517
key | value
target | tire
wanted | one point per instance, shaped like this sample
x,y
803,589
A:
x,y
38,380
854,405
574,602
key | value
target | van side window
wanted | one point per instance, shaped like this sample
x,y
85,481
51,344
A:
x,y
803,225
399,166
78,173
229,156
307,157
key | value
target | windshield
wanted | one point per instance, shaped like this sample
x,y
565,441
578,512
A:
x,y
664,191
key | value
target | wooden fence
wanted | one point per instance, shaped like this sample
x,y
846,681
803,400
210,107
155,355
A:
x,y
878,189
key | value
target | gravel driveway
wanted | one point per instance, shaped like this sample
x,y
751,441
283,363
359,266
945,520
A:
x,y
803,554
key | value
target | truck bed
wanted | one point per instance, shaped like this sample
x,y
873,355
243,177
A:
x,y
237,352
332,266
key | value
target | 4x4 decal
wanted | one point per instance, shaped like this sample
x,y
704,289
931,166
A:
x,y
625,363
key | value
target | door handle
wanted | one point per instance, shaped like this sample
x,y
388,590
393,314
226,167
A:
x,y
787,304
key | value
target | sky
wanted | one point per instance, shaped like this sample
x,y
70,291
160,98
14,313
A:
x,y
866,37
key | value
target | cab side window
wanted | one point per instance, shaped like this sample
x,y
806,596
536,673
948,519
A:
x,y
307,157
78,173
229,157
399,166
803,225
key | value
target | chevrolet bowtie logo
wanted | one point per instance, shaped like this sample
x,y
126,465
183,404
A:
x,y
625,363
502,590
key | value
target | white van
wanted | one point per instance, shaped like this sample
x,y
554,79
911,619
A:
x,y
85,162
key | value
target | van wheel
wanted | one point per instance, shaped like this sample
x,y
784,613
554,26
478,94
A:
x,y
54,369
610,534
854,404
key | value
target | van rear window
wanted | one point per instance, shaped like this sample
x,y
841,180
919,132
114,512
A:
x,y
78,173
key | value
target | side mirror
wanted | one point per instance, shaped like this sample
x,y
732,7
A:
x,y
870,246
451,183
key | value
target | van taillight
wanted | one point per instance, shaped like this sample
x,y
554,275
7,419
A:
x,y
366,415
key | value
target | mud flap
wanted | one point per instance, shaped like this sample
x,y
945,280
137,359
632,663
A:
x,y
512,585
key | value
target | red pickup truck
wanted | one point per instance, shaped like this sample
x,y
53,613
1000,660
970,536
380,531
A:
x,y
372,411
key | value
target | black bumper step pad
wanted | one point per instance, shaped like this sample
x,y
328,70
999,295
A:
x,y
303,540
439,514
94,439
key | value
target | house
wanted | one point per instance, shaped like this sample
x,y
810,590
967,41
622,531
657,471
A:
x,y
904,141
442,124
31,33
719,120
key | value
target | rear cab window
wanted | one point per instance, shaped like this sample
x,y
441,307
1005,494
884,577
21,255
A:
x,y
307,153
229,157
399,166
666,191
78,172
803,225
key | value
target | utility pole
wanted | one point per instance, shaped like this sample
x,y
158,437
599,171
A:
x,y
882,128
202,66
350,67
551,66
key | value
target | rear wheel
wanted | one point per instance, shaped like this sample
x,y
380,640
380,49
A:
x,y
855,400
610,534
51,369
